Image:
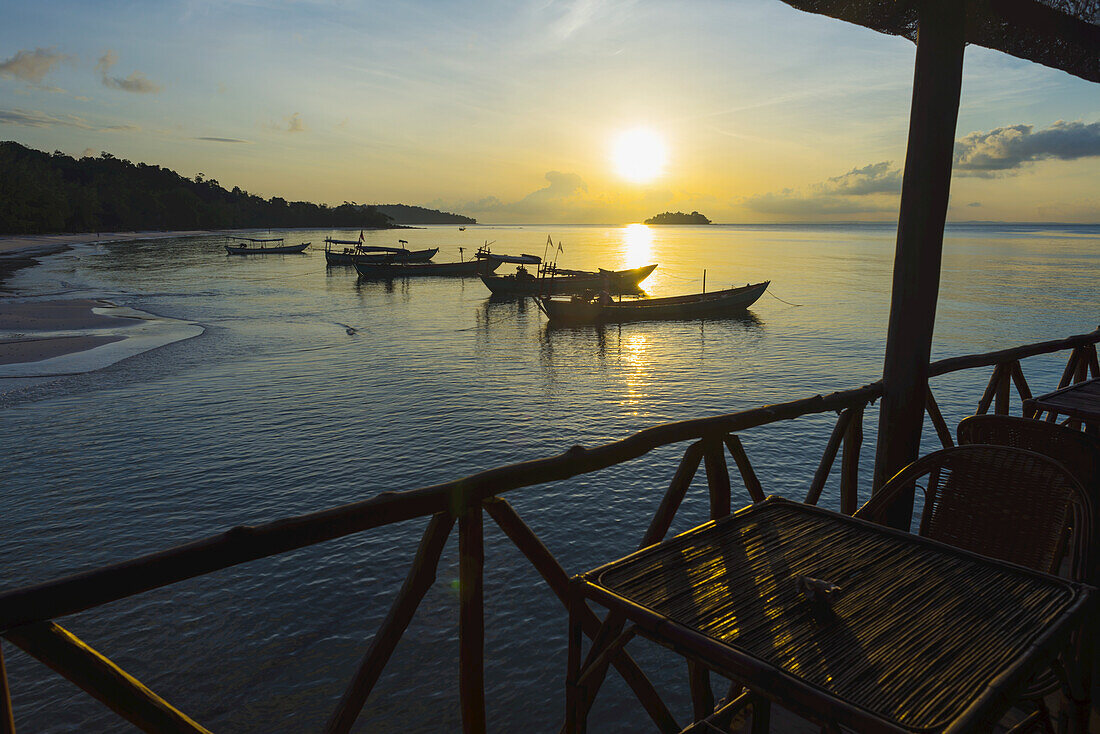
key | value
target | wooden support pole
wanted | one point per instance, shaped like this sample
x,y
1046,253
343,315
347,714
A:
x,y
7,716
1003,386
761,715
65,653
827,458
419,580
1071,367
849,463
990,391
543,560
670,503
942,431
702,695
718,477
1094,362
1021,383
748,476
1082,372
471,620
937,82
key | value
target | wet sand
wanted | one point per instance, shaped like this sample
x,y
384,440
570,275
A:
x,y
34,331
20,351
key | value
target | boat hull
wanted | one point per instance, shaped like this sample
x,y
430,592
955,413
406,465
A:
x,y
701,305
350,258
281,250
467,269
615,282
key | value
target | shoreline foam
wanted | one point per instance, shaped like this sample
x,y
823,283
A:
x,y
51,337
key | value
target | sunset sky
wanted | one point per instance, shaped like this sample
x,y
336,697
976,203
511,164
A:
x,y
511,111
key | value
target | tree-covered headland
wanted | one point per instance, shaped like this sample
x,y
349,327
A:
x,y
43,193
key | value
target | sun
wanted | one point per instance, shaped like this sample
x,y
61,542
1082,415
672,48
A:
x,y
639,154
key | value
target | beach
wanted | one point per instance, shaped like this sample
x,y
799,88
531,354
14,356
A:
x,y
42,337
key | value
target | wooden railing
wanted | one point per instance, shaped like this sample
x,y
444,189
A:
x,y
27,614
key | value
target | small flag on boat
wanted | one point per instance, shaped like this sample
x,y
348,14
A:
x,y
360,237
560,248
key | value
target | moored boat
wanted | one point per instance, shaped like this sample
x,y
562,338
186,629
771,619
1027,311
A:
x,y
350,252
252,246
397,269
581,310
555,281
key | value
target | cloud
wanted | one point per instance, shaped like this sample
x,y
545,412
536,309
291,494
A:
x,y
1006,149
562,190
870,189
89,153
31,66
791,203
221,140
43,119
874,178
137,82
294,124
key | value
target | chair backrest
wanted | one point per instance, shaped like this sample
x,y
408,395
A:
x,y
1003,502
1076,451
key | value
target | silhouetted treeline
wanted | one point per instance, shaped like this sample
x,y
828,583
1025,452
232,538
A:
x,y
405,214
42,193
678,218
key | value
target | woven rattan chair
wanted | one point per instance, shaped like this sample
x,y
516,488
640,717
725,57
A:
x,y
1075,450
1004,502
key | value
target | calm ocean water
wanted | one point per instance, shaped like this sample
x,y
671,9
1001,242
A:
x,y
276,410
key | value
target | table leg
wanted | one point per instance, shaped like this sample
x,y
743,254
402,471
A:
x,y
761,715
574,724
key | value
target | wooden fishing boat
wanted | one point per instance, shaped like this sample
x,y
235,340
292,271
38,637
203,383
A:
x,y
581,310
252,246
553,281
396,269
343,254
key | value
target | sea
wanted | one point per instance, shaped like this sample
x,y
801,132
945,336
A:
x,y
308,388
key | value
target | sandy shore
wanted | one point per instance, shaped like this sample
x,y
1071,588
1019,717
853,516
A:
x,y
42,338
42,244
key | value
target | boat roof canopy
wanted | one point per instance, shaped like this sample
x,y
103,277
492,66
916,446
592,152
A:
x,y
252,239
524,259
342,242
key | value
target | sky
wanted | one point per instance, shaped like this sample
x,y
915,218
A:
x,y
511,112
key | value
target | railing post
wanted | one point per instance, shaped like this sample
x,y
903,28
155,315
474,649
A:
x,y
849,463
748,476
7,717
471,619
677,488
419,580
827,458
933,410
1001,407
718,477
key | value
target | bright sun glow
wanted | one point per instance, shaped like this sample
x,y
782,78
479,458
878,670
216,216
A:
x,y
639,155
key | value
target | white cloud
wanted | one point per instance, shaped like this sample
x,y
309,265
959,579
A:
x,y
31,66
1005,149
32,118
137,82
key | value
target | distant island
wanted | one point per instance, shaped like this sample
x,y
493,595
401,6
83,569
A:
x,y
678,218
405,214
51,193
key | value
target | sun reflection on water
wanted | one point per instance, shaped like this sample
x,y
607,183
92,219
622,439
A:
x,y
633,357
638,239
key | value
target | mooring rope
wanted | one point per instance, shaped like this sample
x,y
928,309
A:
x,y
796,305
